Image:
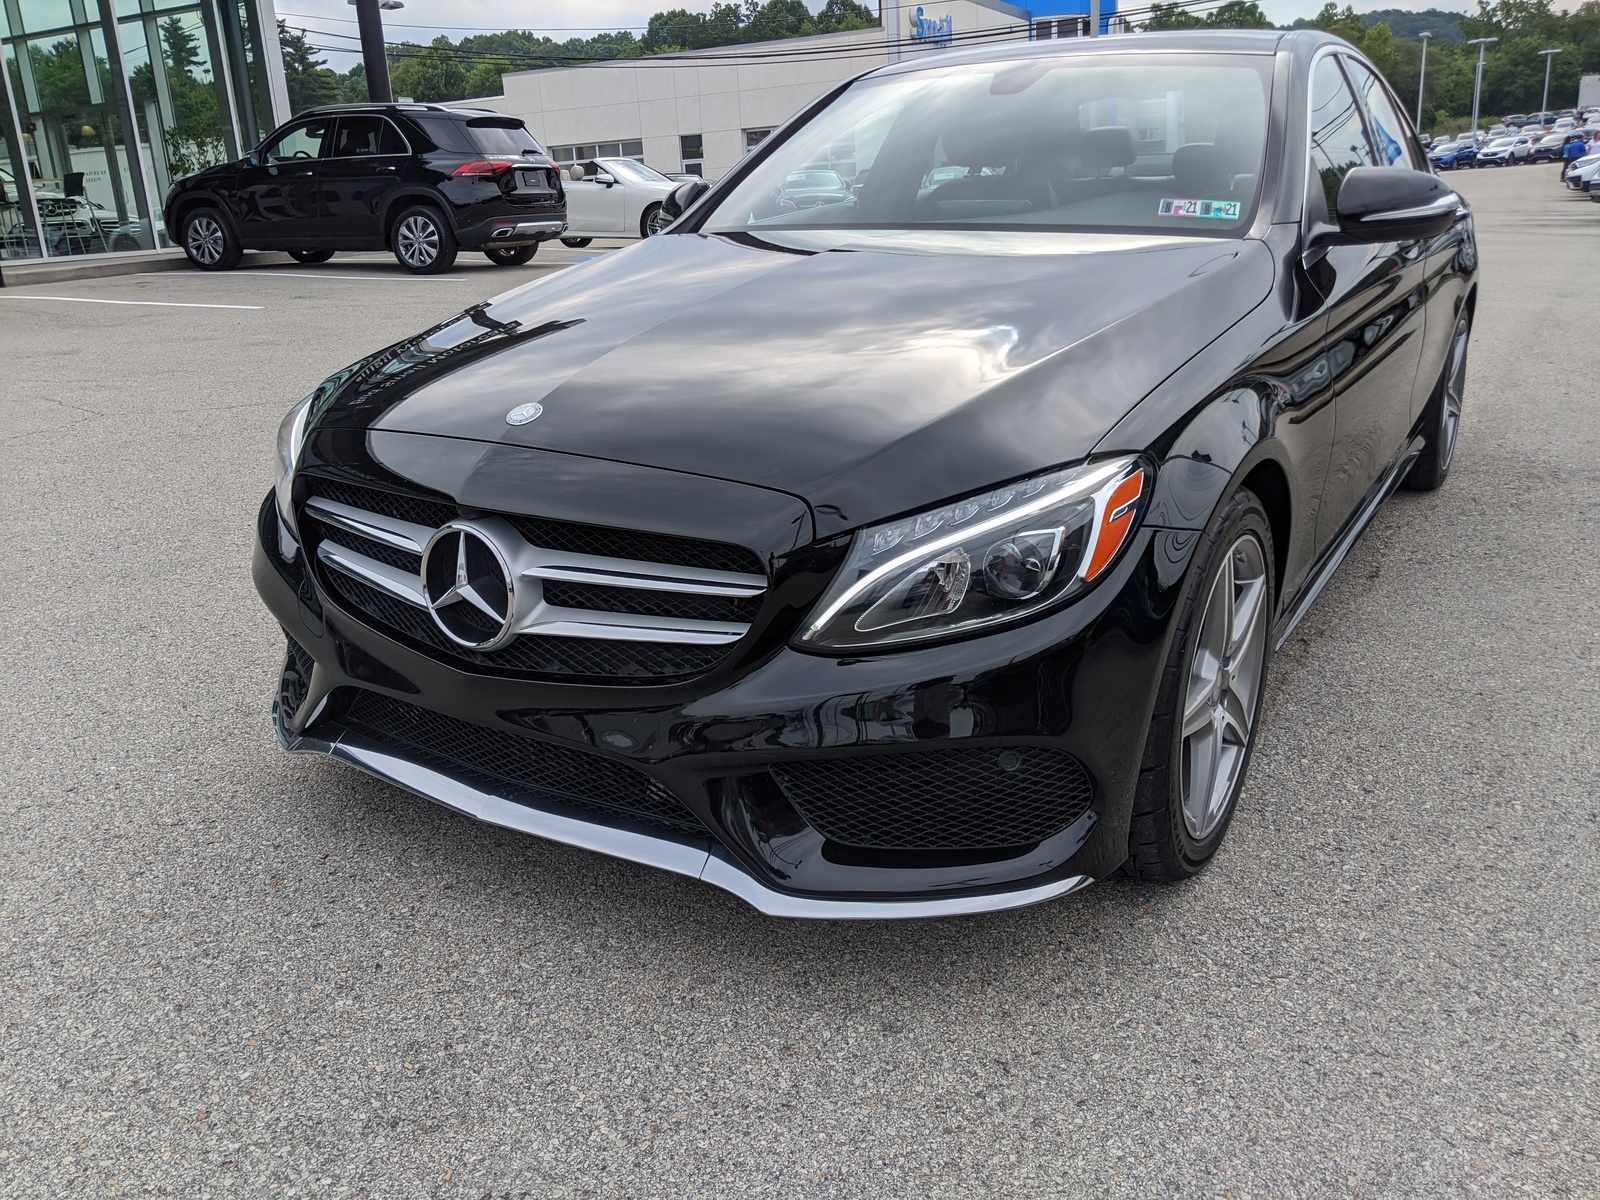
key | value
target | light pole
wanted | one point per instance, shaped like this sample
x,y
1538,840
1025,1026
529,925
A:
x,y
369,24
1477,83
1544,104
1422,76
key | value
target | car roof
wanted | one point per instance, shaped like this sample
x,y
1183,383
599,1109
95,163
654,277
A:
x,y
397,107
1199,41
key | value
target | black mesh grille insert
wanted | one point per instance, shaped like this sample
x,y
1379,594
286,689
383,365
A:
x,y
651,603
959,799
416,509
518,768
296,681
635,663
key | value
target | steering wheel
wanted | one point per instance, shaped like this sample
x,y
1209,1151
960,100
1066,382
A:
x,y
301,154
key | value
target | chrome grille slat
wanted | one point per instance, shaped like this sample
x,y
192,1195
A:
x,y
402,535
392,581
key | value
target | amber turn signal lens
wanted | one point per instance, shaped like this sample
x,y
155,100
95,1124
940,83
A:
x,y
1116,523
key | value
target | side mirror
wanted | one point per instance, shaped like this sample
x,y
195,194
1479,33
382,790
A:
x,y
604,177
680,198
1393,204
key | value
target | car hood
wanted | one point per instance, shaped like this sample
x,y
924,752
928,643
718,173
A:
x,y
866,374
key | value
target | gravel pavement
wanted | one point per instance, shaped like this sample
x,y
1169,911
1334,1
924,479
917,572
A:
x,y
229,971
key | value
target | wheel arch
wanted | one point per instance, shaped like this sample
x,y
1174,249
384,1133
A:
x,y
186,203
412,199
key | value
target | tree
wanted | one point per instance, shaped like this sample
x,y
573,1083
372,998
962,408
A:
x,y
1239,14
780,19
309,81
429,73
839,16
1171,16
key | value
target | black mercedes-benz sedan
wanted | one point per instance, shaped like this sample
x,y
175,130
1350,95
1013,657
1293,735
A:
x,y
918,553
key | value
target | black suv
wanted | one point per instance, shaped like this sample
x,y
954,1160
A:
x,y
421,180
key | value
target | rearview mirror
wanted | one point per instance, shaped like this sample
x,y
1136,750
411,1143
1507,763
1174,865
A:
x,y
680,198
1393,204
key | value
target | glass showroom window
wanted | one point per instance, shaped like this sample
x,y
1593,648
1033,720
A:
x,y
109,101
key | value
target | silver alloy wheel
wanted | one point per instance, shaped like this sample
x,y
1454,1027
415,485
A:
x,y
656,222
1455,386
204,241
417,241
1219,705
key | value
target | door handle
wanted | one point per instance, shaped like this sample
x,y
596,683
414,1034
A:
x,y
390,169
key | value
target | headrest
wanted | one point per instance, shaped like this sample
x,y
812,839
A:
x,y
1199,171
1108,146
575,172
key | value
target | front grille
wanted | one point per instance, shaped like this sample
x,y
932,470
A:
x,y
576,659
515,767
586,626
961,799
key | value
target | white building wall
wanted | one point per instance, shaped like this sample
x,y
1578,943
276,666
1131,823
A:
x,y
657,100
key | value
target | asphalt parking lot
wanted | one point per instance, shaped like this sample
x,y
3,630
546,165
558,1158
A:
x,y
231,971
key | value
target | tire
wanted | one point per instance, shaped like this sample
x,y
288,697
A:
x,y
512,256
208,242
311,256
423,242
576,243
1441,417
651,222
1211,686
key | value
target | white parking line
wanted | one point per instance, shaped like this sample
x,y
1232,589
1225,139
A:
x,y
136,303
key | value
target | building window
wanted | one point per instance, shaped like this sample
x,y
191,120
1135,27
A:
x,y
1061,27
754,138
567,155
103,106
694,156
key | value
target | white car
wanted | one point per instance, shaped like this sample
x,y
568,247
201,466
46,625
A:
x,y
1581,174
1504,151
613,198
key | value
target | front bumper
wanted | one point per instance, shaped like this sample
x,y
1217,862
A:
x,y
1079,683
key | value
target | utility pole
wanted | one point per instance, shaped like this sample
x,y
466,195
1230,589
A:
x,y
373,56
1422,76
1477,83
1544,104
1094,18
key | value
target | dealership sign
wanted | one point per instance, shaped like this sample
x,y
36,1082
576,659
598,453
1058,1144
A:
x,y
936,30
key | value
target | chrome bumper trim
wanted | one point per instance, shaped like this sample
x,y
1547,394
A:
x,y
708,865
528,229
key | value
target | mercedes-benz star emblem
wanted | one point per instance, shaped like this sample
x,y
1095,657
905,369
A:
x,y
523,413
468,587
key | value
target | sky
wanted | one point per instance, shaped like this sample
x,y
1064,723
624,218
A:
x,y
423,20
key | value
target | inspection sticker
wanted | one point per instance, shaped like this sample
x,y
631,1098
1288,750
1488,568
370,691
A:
x,y
1227,210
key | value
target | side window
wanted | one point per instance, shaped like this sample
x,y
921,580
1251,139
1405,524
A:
x,y
1388,126
389,139
301,142
1338,141
357,137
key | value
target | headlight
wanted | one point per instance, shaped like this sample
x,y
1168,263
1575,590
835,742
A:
x,y
291,437
982,561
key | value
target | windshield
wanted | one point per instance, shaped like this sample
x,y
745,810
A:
x,y
1116,142
637,172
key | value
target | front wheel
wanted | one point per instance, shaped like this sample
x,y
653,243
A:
x,y
576,243
423,241
511,256
1441,420
311,256
1209,702
208,242
653,221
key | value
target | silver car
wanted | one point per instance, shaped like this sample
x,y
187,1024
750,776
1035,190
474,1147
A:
x,y
614,197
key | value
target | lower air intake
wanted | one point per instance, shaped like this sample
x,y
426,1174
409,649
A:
x,y
964,799
518,768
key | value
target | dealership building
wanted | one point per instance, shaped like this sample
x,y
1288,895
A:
x,y
699,112
105,102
